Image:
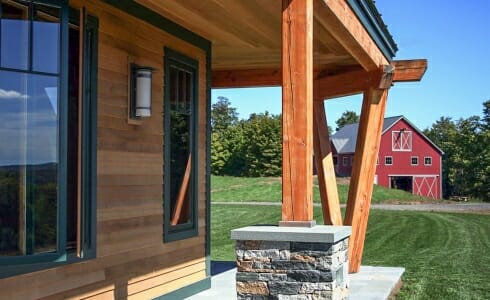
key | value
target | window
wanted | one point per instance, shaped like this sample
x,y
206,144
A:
x,y
345,160
180,161
388,160
401,140
428,161
50,153
414,160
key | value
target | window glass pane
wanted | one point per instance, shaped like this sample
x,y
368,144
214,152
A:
x,y
180,145
14,35
28,163
45,41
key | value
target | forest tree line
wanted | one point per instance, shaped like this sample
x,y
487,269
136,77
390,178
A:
x,y
253,147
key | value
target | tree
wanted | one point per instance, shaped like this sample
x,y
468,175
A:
x,y
444,134
263,149
224,120
348,117
223,115
250,147
466,160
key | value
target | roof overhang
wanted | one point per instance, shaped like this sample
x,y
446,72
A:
x,y
246,35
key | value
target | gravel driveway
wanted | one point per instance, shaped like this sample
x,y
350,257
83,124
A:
x,y
477,208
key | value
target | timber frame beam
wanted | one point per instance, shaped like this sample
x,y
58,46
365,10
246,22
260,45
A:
x,y
351,82
297,115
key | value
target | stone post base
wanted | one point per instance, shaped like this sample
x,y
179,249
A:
x,y
292,263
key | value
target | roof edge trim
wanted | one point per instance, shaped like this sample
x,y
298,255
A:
x,y
151,17
370,18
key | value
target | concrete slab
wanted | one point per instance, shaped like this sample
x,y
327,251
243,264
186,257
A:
x,y
371,283
374,283
323,233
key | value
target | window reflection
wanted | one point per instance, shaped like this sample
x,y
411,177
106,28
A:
x,y
28,163
180,145
14,35
45,46
29,92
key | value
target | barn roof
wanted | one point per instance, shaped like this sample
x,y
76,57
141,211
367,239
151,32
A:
x,y
344,140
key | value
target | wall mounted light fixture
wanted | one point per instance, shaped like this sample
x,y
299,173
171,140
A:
x,y
140,104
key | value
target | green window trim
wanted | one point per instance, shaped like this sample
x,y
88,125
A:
x,y
15,265
174,59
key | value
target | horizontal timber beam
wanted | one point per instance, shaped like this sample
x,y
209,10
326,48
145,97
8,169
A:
x,y
345,84
247,78
409,70
337,85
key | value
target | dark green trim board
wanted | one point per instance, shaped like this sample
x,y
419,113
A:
x,y
187,291
174,59
89,136
369,16
149,16
209,77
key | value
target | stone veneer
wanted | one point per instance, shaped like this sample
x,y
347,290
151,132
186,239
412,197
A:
x,y
292,263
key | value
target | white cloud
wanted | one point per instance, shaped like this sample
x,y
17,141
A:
x,y
4,94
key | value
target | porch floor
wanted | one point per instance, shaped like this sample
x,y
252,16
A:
x,y
371,283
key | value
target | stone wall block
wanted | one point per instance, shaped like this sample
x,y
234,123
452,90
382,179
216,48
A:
x,y
284,255
311,287
272,276
292,265
247,276
284,288
302,246
254,288
310,276
261,254
244,266
301,257
265,245
262,265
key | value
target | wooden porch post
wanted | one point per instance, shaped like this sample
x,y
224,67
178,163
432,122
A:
x,y
327,182
363,171
297,109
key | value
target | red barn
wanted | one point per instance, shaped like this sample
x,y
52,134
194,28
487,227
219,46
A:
x,y
407,159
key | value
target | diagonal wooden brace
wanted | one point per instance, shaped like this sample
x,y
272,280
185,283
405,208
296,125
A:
x,y
327,182
364,167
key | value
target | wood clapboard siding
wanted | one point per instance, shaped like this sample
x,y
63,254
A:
x,y
132,260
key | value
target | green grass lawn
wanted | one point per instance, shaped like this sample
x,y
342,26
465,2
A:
x,y
446,256
260,189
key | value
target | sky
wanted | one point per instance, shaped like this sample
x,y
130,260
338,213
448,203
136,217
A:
x,y
454,36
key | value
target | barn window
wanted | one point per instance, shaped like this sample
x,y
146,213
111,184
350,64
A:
x,y
345,160
428,161
48,137
401,140
388,160
180,161
414,160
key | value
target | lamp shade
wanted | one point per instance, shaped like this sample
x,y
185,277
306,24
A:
x,y
143,92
